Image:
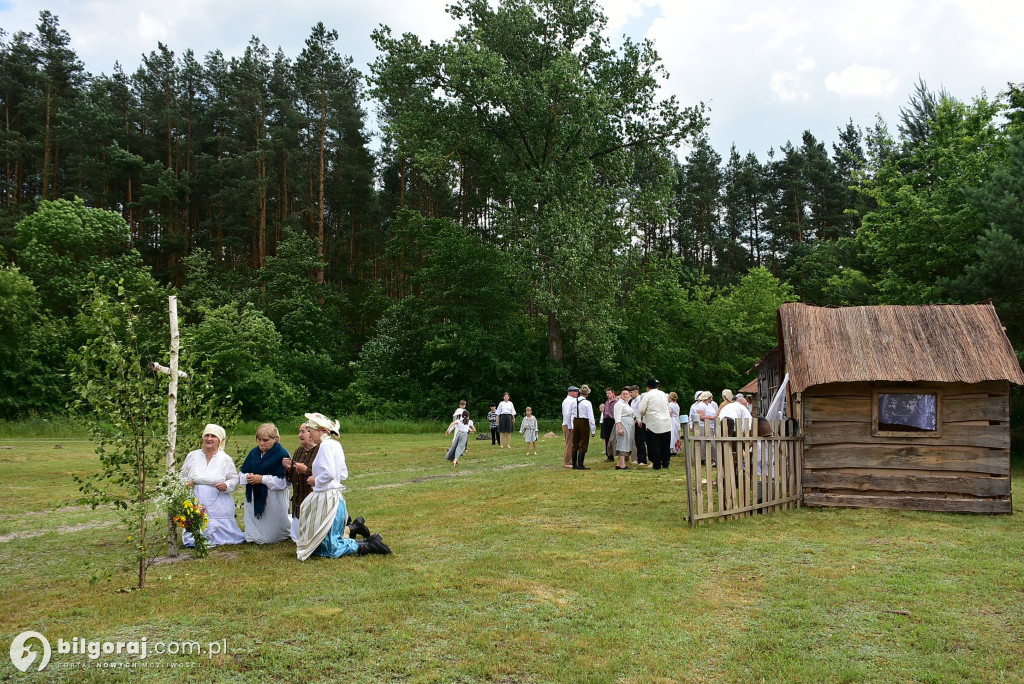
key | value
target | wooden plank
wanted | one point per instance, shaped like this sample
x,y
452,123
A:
x,y
773,505
855,409
698,473
917,503
916,457
976,485
954,434
950,389
957,409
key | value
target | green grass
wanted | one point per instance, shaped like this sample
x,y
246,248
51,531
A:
x,y
513,569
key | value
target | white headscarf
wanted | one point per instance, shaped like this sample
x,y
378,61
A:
x,y
217,431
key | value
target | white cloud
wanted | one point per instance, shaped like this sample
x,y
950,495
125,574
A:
x,y
791,86
774,27
862,81
788,86
769,70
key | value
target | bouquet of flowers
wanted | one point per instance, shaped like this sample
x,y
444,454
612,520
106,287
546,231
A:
x,y
189,515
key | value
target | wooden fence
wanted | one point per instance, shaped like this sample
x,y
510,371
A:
x,y
735,476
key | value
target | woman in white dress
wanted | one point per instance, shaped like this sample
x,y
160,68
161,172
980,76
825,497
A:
x,y
625,428
213,474
673,414
266,488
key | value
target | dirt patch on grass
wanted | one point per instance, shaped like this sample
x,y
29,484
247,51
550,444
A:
x,y
456,472
63,529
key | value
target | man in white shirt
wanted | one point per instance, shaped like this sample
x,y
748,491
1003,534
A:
x,y
656,418
735,420
737,412
567,406
582,419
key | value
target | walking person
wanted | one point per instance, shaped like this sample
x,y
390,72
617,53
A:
x,y
506,421
567,407
583,428
529,430
462,427
608,423
655,416
625,429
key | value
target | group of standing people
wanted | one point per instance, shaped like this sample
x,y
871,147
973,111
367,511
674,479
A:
x,y
640,428
314,516
502,421
705,410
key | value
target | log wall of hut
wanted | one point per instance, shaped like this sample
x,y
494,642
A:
x,y
769,378
965,467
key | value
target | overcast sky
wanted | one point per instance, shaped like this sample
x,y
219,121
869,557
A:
x,y
767,70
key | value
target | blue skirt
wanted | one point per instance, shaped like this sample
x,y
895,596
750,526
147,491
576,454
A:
x,y
336,544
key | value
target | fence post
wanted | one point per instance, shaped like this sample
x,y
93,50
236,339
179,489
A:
x,y
683,429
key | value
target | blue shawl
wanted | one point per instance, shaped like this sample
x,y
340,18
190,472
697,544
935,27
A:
x,y
258,463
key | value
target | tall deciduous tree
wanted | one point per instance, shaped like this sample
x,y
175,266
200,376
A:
x,y
534,101
924,228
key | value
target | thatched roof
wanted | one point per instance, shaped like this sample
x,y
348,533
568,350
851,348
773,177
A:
x,y
932,343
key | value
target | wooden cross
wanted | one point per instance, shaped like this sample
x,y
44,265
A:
x,y
172,409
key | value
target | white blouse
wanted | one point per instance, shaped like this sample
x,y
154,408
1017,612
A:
x,y
463,427
329,467
219,469
506,408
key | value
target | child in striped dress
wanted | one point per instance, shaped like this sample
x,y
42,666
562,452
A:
x,y
529,430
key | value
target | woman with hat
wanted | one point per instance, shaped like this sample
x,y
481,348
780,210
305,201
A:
x,y
323,517
213,474
707,411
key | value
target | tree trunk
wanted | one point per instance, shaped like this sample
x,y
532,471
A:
x,y
554,338
172,415
320,196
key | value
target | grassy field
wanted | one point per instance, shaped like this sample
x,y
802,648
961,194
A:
x,y
513,569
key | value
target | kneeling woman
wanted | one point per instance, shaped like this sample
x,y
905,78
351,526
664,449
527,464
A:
x,y
266,488
213,474
323,516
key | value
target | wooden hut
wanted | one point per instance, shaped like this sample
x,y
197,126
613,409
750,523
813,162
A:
x,y
750,392
900,406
